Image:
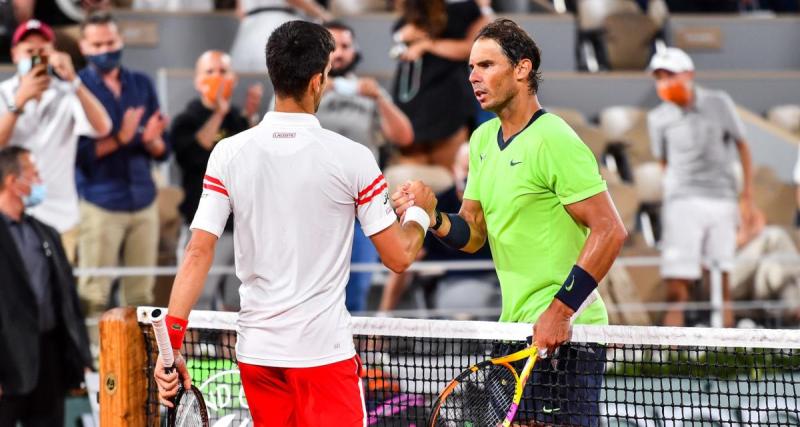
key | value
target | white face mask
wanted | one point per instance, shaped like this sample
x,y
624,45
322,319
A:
x,y
24,65
345,86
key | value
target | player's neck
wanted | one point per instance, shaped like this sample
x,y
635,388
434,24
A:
x,y
291,105
517,113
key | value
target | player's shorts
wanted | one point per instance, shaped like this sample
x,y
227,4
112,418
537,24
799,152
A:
x,y
563,390
697,229
328,395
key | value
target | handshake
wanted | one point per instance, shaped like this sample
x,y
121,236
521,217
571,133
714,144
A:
x,y
414,193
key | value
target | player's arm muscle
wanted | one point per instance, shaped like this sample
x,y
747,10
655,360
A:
x,y
192,274
607,233
398,245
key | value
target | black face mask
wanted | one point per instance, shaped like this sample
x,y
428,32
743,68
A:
x,y
340,72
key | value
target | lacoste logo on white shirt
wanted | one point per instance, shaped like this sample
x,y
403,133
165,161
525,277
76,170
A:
x,y
283,134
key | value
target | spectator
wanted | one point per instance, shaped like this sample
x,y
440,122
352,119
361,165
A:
x,y
259,18
361,110
696,133
437,36
205,121
118,211
457,290
46,115
44,348
766,264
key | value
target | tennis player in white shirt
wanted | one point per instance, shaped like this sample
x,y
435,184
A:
x,y
295,190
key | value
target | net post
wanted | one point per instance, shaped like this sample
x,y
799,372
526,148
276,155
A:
x,y
123,364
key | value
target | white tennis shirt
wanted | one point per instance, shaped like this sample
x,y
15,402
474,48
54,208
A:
x,y
295,190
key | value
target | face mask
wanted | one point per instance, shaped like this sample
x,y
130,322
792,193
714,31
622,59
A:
x,y
24,65
36,197
345,86
675,91
211,88
106,62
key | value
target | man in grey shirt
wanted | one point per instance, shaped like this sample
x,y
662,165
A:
x,y
699,138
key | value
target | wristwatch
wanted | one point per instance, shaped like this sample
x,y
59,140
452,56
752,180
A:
x,y
438,223
13,109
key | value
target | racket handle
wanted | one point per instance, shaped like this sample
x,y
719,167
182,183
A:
x,y
162,339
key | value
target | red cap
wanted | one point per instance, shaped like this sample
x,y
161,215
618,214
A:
x,y
30,26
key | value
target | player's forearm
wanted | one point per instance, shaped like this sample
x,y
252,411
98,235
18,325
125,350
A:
x,y
602,247
412,237
455,237
190,280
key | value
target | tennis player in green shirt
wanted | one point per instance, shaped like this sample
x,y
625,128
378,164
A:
x,y
535,191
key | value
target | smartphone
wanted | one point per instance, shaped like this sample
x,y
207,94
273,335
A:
x,y
41,59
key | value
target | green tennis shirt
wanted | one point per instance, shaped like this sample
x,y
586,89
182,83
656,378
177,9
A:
x,y
523,185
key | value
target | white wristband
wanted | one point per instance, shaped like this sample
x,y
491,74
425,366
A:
x,y
418,215
76,83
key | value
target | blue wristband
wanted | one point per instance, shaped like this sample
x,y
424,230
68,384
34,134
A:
x,y
578,286
459,233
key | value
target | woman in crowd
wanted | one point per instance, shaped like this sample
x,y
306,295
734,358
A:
x,y
431,83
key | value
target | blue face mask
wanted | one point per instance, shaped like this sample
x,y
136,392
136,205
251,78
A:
x,y
106,62
24,66
38,193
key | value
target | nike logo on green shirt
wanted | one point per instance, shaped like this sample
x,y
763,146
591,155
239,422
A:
x,y
513,163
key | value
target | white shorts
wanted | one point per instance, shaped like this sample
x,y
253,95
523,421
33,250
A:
x,y
697,232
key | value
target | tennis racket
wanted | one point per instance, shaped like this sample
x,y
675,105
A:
x,y
484,395
190,407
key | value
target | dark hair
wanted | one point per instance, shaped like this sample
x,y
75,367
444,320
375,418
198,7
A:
x,y
338,25
97,18
430,15
9,162
296,52
517,45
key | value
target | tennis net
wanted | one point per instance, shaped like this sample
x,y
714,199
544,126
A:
x,y
653,376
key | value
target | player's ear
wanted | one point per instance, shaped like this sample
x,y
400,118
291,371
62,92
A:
x,y
523,69
316,82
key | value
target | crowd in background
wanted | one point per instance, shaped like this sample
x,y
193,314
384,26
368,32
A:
x,y
87,130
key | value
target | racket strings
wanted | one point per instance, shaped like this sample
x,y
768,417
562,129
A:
x,y
189,412
480,400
